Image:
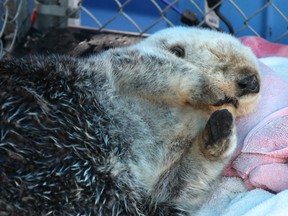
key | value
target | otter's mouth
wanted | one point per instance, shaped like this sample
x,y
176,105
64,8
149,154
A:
x,y
227,100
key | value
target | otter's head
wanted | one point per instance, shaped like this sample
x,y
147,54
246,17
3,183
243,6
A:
x,y
223,60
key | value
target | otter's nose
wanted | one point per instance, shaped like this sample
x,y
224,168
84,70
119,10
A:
x,y
248,85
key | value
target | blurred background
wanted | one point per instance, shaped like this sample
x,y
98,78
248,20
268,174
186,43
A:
x,y
26,21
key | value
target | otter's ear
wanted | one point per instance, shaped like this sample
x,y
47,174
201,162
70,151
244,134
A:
x,y
178,50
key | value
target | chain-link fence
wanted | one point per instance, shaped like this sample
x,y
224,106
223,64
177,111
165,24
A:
x,y
264,18
14,24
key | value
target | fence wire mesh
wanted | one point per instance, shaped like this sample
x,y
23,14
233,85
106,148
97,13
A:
x,y
264,18
14,24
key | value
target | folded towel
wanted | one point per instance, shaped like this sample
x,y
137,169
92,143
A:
x,y
263,48
263,161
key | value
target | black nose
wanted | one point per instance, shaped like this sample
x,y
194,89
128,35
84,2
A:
x,y
248,85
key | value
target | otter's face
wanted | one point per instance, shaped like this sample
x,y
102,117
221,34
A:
x,y
229,66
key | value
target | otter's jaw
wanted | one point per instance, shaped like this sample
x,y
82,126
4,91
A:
x,y
238,107
248,105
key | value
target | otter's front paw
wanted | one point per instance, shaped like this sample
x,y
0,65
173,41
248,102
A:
x,y
218,135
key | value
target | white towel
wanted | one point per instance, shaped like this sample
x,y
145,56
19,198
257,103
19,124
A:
x,y
230,198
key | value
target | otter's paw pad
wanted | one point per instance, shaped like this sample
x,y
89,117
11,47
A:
x,y
217,133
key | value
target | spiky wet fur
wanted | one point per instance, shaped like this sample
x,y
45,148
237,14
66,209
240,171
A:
x,y
121,133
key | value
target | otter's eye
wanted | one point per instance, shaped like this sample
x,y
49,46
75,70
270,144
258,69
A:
x,y
178,51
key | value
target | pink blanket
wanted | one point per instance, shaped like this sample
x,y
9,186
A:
x,y
261,158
